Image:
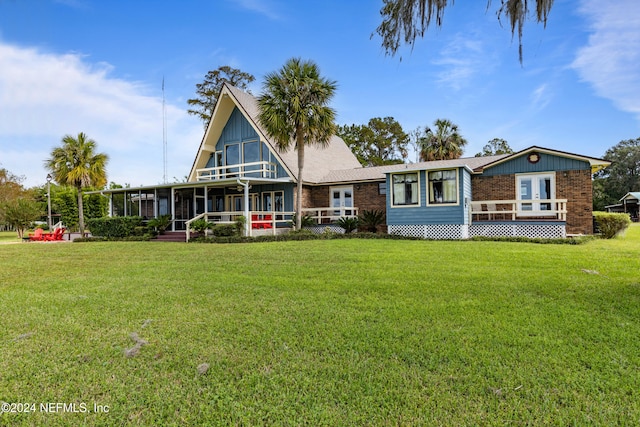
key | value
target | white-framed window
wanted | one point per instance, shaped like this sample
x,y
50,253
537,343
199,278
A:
x,y
405,189
443,187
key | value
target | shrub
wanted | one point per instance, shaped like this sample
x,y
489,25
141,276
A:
x,y
611,224
305,221
120,226
240,223
349,224
161,223
201,225
225,230
371,219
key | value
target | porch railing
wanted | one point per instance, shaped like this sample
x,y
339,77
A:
x,y
328,214
512,210
257,220
261,169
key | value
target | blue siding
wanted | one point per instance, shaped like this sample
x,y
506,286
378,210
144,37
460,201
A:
x,y
289,190
547,162
239,130
430,214
466,194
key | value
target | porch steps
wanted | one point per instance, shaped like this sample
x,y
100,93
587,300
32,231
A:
x,y
173,236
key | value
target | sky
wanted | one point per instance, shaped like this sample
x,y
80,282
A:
x,y
95,66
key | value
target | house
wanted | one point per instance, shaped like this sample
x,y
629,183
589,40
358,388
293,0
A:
x,y
628,204
238,171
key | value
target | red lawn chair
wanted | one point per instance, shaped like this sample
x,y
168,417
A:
x,y
56,235
36,235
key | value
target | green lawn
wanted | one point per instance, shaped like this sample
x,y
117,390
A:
x,y
10,236
342,332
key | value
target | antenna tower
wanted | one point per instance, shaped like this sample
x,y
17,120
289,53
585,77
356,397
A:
x,y
164,137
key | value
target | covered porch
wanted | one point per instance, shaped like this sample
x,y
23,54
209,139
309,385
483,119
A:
x,y
543,218
267,204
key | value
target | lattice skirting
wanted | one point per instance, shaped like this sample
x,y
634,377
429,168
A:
x,y
547,231
436,232
456,232
319,229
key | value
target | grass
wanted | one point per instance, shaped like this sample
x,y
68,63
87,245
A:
x,y
342,332
9,236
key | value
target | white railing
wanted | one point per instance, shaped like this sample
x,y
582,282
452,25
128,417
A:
x,y
329,214
262,169
511,210
265,220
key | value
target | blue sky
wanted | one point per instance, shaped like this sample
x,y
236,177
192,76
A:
x,y
69,66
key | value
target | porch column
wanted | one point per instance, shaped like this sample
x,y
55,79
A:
x,y
247,229
173,209
246,209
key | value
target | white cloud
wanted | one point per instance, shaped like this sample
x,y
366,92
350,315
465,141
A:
x,y
44,96
610,61
460,60
540,97
262,7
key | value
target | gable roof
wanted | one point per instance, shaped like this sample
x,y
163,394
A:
x,y
631,195
596,164
318,161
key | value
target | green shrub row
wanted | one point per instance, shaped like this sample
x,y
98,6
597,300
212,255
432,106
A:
x,y
611,224
119,226
299,236
143,238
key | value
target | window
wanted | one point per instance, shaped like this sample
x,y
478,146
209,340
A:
x,y
443,187
539,189
382,188
273,201
405,189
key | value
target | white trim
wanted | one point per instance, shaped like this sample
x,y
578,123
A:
x,y
535,198
342,208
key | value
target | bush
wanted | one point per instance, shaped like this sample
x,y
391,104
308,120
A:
x,y
370,220
225,230
305,221
161,223
611,224
201,225
118,227
349,224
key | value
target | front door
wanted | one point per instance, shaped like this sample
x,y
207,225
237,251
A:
x,y
539,188
342,200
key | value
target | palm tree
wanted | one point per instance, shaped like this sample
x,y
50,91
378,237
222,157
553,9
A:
x,y
76,164
443,144
293,110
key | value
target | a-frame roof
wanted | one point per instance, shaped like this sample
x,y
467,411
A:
x,y
318,161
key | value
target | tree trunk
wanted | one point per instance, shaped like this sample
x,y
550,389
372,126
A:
x,y
80,213
300,147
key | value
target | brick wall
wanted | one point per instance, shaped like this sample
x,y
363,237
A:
x,y
576,188
573,185
365,197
